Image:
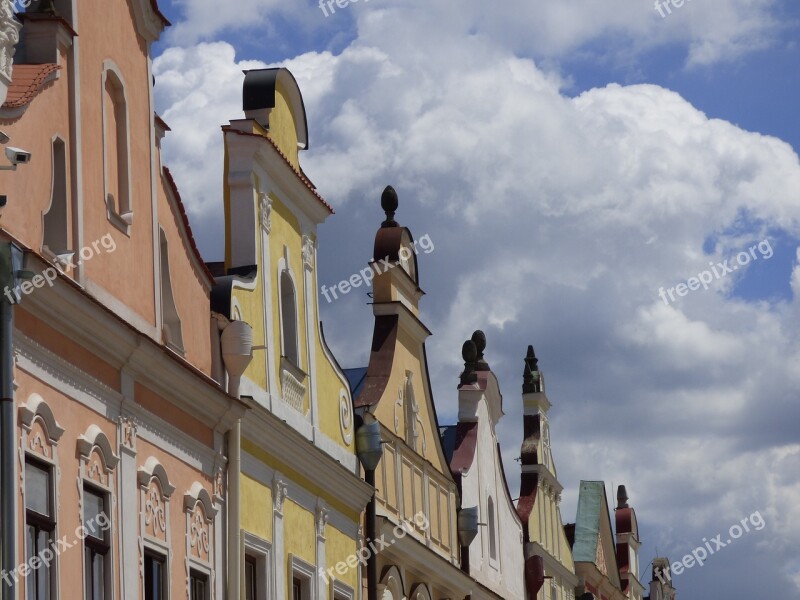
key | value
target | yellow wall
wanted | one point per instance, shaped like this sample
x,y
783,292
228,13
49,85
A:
x,y
282,128
256,502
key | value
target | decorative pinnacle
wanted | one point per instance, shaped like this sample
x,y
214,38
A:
x,y
480,343
389,204
531,381
469,352
622,497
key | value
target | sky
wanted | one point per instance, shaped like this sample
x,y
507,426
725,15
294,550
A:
x,y
619,188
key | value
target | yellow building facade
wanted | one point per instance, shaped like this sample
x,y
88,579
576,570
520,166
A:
x,y
299,493
418,551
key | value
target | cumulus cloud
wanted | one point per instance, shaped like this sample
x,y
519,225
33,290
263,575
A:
x,y
555,221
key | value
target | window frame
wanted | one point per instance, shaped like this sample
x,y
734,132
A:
x,y
94,546
41,524
195,576
120,211
259,553
163,559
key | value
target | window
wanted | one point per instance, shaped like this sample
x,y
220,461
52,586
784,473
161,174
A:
x,y
256,567
492,530
289,319
154,576
56,219
115,149
173,334
297,589
96,543
251,587
198,585
39,525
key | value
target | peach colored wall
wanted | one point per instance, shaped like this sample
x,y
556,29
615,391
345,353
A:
x,y
62,346
188,288
76,419
29,187
107,32
182,477
173,415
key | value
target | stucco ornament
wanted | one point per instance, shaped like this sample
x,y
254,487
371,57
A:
x,y
9,36
265,212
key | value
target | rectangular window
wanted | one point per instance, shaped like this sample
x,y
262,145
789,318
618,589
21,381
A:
x,y
297,589
96,543
198,586
39,525
154,576
251,587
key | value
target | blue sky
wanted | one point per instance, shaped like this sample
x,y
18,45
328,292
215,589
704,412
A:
x,y
568,159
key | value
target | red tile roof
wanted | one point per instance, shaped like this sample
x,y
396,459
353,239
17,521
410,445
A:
x,y
26,83
285,158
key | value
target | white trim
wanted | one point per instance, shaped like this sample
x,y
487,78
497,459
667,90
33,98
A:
x,y
261,550
342,591
121,215
305,571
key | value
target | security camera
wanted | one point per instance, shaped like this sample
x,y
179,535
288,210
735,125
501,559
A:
x,y
18,156
4,139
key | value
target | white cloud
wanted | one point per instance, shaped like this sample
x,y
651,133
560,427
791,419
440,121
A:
x,y
555,220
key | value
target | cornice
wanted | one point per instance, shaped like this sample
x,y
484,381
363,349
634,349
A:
x,y
290,447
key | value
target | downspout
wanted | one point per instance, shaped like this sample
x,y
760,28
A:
x,y
237,352
10,269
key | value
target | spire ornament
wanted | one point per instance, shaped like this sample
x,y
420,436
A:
x,y
469,352
389,204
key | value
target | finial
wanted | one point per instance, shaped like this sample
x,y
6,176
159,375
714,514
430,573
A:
x,y
531,378
531,360
622,497
480,343
528,384
469,352
389,204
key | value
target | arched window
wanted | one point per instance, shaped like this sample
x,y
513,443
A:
x,y
492,529
171,322
289,319
56,219
116,144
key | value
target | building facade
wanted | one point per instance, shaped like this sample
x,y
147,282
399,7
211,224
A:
x,y
549,564
297,494
114,403
416,494
495,558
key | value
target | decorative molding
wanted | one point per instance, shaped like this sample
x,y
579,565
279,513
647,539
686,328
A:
x,y
265,212
308,252
95,438
345,417
153,469
198,493
9,37
127,433
398,403
321,519
36,406
279,492
155,515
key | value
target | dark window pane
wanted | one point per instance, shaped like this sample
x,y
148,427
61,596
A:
x,y
250,582
198,586
37,489
153,577
297,589
93,507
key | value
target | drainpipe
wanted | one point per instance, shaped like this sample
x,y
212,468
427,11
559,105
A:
x,y
10,269
237,352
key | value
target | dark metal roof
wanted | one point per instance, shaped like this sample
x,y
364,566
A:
x,y
355,377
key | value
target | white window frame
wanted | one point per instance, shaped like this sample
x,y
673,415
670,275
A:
x,y
261,551
305,571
